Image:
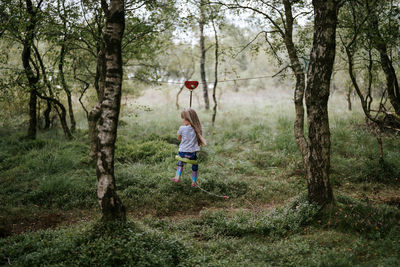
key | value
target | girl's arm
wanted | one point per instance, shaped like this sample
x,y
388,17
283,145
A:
x,y
179,137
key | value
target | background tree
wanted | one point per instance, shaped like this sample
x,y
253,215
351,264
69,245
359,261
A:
x,y
380,44
214,17
315,149
32,12
142,40
360,39
203,50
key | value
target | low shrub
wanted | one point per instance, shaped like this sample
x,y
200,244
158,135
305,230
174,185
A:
x,y
63,192
96,244
149,151
374,221
290,218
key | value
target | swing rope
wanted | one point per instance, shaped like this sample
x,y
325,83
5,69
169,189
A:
x,y
211,193
191,161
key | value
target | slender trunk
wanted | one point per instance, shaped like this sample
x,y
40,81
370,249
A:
x,y
65,86
215,74
63,119
86,86
300,82
386,63
177,96
111,206
38,115
47,116
317,95
63,113
203,57
378,132
32,79
348,99
32,114
63,52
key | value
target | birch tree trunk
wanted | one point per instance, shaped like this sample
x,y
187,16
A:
x,y
111,206
316,96
203,57
99,83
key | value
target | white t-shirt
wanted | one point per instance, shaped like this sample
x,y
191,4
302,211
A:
x,y
189,139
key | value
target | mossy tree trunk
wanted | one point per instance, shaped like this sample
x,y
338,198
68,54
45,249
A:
x,y
111,206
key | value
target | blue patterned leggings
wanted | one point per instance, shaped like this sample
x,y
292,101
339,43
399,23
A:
x,y
195,167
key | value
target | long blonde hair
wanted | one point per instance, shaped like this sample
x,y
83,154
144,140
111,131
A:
x,y
191,116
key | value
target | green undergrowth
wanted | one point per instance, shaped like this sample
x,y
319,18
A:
x,y
355,155
295,234
251,156
95,244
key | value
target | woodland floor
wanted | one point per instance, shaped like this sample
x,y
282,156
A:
x,y
50,213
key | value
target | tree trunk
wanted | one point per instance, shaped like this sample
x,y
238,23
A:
x,y
63,114
46,115
203,57
300,82
99,83
111,206
317,95
65,86
177,96
93,118
348,99
378,132
32,115
63,119
32,79
63,52
215,73
94,114
386,63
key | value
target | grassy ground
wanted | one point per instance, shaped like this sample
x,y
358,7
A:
x,y
251,156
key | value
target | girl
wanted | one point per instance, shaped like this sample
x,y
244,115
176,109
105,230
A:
x,y
190,135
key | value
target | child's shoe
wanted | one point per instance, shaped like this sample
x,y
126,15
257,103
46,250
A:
x,y
195,184
175,180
